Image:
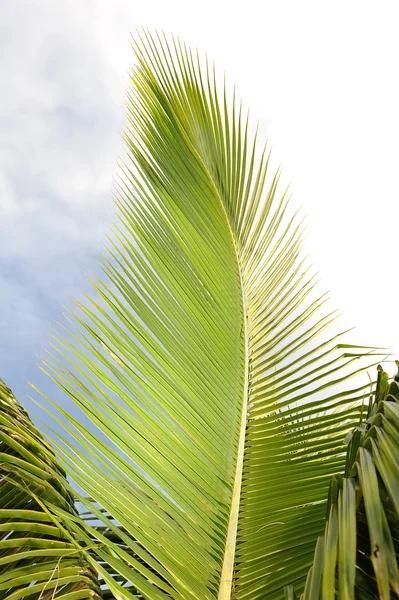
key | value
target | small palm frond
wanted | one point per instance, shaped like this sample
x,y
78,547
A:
x,y
37,557
207,404
358,555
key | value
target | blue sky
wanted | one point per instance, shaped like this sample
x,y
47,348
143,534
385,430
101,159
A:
x,y
320,80
61,123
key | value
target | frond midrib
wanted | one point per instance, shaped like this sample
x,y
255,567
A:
x,y
226,578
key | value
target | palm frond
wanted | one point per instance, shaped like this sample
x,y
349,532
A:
x,y
209,403
37,559
358,555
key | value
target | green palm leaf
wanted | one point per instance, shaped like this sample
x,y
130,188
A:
x,y
37,556
217,404
358,556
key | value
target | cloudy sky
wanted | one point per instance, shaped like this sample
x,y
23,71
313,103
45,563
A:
x,y
320,77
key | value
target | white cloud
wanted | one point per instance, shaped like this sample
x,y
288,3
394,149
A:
x,y
320,78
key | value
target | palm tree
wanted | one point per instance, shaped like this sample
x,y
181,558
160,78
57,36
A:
x,y
209,402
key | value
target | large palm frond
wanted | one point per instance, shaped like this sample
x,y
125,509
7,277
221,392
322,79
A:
x,y
217,404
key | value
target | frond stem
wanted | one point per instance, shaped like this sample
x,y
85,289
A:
x,y
226,579
227,573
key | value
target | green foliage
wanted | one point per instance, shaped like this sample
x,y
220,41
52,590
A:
x,y
357,557
38,556
217,403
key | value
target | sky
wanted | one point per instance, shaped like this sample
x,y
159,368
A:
x,y
320,77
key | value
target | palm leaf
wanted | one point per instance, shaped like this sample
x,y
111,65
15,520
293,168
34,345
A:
x,y
358,556
209,403
37,557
